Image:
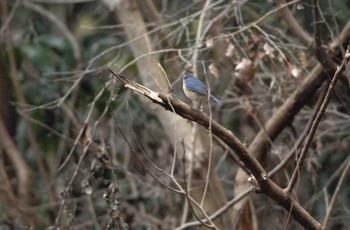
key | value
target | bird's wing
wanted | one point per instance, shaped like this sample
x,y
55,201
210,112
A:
x,y
197,86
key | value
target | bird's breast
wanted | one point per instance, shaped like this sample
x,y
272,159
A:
x,y
190,94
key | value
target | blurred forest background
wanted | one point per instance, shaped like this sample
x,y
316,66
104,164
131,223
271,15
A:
x,y
80,151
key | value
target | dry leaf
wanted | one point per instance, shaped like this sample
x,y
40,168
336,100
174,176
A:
x,y
295,71
209,43
230,50
245,70
300,6
256,37
268,50
85,138
86,186
214,70
303,59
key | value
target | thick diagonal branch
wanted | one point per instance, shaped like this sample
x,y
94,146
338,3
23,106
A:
x,y
263,183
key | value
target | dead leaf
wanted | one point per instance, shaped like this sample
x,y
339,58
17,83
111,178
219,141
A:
x,y
303,59
256,37
268,50
85,138
214,70
300,6
295,71
245,70
230,50
209,43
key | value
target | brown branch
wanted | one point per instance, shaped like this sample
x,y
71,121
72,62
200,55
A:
x,y
34,144
24,173
293,25
154,16
60,25
186,190
9,17
201,118
146,157
316,25
335,194
264,184
320,53
146,59
284,116
315,123
180,190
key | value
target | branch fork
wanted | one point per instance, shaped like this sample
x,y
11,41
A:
x,y
258,174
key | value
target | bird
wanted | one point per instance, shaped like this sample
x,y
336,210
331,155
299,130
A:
x,y
195,89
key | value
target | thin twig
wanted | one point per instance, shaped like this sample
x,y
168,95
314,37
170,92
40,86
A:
x,y
60,25
187,193
266,185
199,35
293,25
210,148
33,140
190,158
335,195
329,182
141,161
9,17
87,118
321,55
314,126
220,211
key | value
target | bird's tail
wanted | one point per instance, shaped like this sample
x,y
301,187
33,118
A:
x,y
216,100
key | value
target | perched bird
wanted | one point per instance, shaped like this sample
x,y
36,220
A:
x,y
195,89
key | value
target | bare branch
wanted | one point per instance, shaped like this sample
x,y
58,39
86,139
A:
x,y
265,185
335,194
315,123
60,25
293,25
